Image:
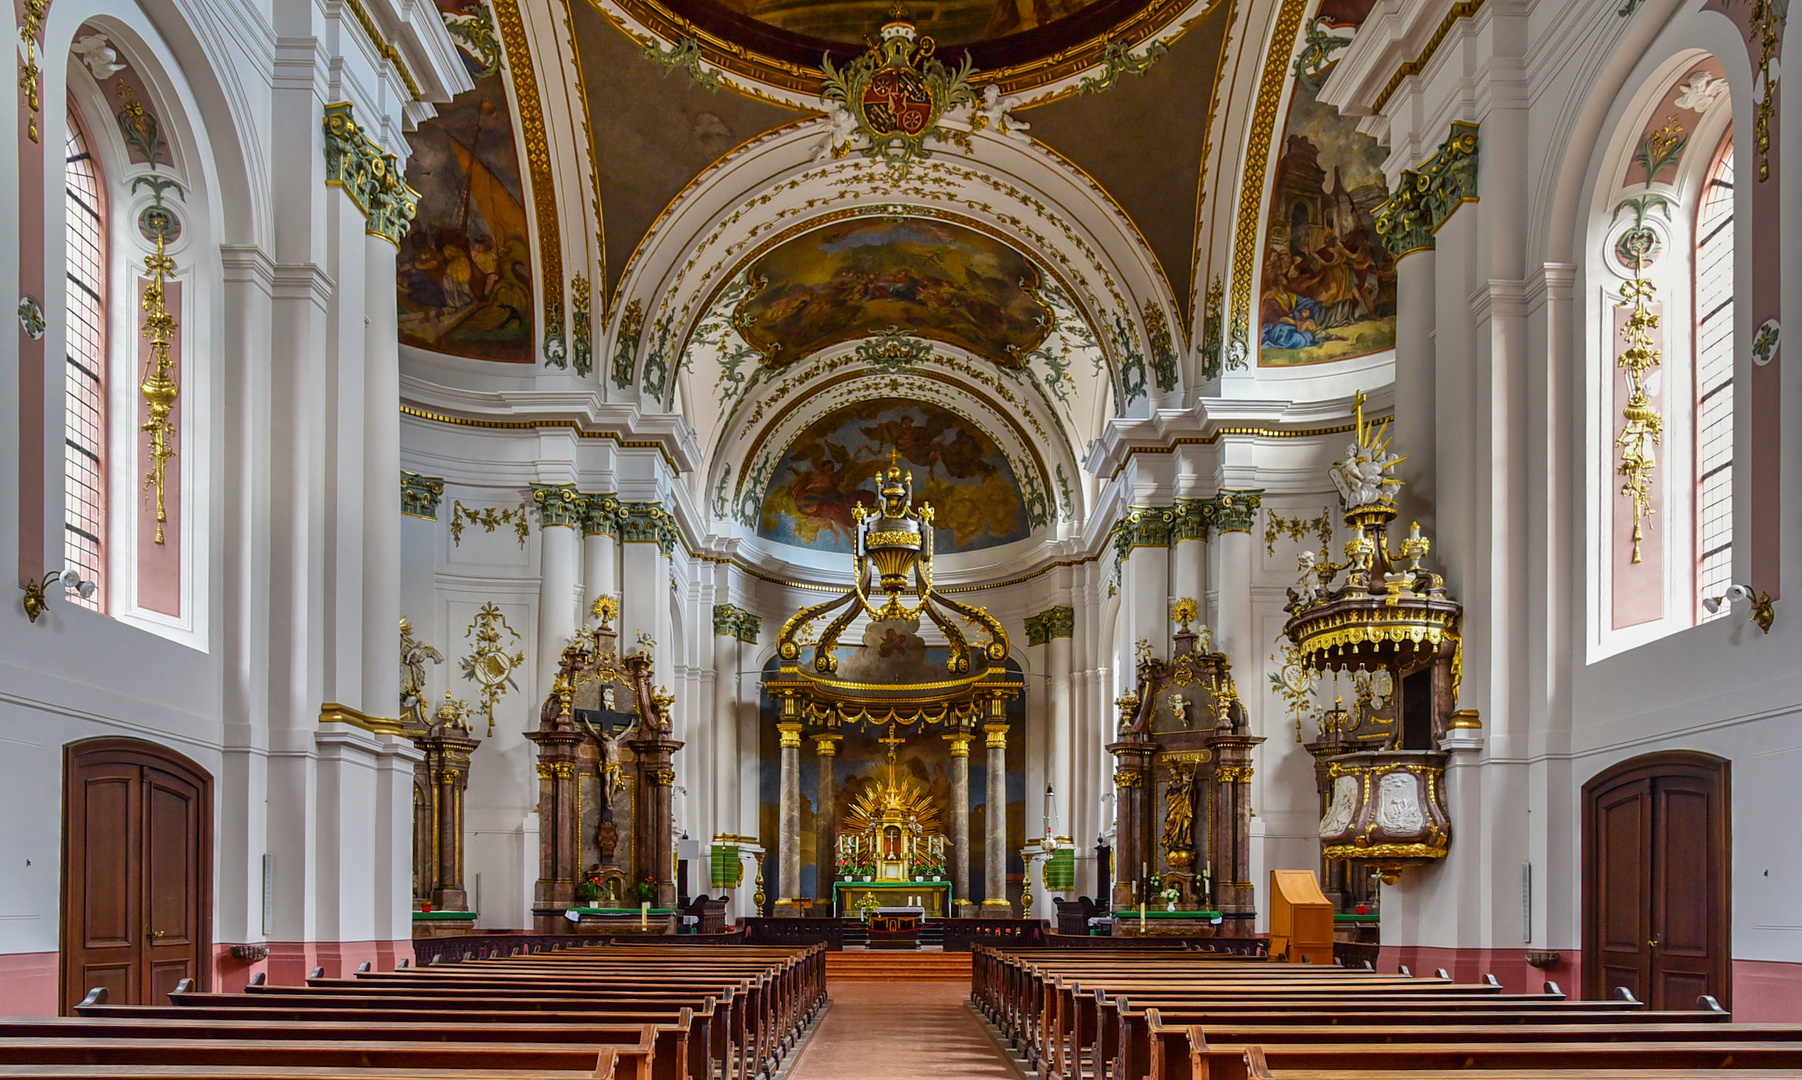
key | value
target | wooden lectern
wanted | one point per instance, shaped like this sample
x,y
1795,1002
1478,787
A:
x,y
1301,918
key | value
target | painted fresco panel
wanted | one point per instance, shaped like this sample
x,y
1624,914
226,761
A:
x,y
832,466
1328,289
465,272
868,275
950,22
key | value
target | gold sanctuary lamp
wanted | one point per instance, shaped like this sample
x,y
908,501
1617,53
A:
x,y
1386,621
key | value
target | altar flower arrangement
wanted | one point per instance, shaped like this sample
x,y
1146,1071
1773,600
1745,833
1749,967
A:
x,y
647,891
589,888
929,869
1170,897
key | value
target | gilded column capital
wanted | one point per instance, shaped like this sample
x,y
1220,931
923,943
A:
x,y
647,523
960,744
730,620
1051,623
558,504
1191,519
790,734
997,736
1424,198
600,515
368,174
1236,509
420,495
826,745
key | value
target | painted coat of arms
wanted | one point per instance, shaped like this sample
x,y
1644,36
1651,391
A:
x,y
889,101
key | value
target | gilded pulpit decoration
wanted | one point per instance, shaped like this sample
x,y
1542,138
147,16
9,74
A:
x,y
368,174
491,665
159,387
889,101
420,495
1392,630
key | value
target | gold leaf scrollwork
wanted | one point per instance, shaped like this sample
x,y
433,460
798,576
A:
x,y
1644,425
490,665
159,387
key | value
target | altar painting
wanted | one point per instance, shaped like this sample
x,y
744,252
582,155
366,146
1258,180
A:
x,y
1328,290
867,275
465,267
832,466
862,757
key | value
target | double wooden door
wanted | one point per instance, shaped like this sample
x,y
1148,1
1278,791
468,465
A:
x,y
1656,899
137,871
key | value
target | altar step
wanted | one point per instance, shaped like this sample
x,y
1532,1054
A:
x,y
932,935
880,964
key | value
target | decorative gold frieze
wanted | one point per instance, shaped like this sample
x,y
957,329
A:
x,y
368,174
1275,525
489,519
538,162
420,495
159,386
1128,778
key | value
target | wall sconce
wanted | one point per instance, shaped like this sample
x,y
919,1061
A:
x,y
1763,607
37,595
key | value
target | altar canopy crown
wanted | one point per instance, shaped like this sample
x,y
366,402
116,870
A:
x,y
890,680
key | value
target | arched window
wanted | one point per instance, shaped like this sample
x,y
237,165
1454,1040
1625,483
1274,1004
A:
x,y
1714,380
84,427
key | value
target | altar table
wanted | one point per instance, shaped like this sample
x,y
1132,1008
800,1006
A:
x,y
933,898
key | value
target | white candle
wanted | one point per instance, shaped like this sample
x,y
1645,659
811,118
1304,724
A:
x,y
644,915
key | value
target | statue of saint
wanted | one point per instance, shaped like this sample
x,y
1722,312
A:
x,y
1179,818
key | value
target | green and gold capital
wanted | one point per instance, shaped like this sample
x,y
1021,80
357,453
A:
x,y
420,495
1235,509
647,523
600,515
558,504
368,174
730,620
1051,623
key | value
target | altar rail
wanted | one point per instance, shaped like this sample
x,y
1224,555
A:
x,y
762,931
454,950
963,934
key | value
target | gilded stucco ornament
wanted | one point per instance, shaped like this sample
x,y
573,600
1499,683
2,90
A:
x,y
730,620
368,174
31,318
489,518
1054,622
889,101
490,664
625,345
1117,59
558,504
159,387
581,329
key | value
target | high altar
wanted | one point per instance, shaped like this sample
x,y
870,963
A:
x,y
825,690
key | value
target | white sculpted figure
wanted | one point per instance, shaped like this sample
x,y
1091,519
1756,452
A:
x,y
996,108
1363,476
1305,591
1345,804
99,55
841,131
1398,804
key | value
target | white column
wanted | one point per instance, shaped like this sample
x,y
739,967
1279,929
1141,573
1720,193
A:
x,y
1416,409
558,560
725,723
1233,560
600,553
1058,657
381,486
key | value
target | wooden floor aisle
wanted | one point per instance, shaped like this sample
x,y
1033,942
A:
x,y
900,1030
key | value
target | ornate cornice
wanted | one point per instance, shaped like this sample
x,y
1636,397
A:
x,y
1051,623
420,495
1236,510
370,175
1425,198
558,504
730,620
647,523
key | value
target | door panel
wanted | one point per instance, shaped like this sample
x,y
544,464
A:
x,y
137,871
1656,855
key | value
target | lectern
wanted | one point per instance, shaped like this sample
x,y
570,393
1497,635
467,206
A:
x,y
1301,918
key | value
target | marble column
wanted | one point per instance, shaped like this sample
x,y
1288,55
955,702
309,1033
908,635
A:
x,y
994,854
560,509
1233,553
825,820
654,814
960,818
381,503
1229,846
600,551
788,841
725,725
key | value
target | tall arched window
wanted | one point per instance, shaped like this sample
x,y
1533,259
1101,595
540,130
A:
x,y
84,428
1714,380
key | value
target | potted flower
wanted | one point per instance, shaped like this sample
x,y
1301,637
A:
x,y
588,889
1170,897
929,869
647,891
848,868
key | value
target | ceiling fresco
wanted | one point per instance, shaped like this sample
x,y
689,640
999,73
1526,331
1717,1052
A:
x,y
950,22
829,469
465,267
861,277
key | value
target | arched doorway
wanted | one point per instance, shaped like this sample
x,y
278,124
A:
x,y
137,913
1656,894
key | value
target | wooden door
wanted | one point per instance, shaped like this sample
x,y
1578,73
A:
x,y
1656,858
137,875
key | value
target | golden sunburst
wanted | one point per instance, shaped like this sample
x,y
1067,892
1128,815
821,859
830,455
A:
x,y
887,796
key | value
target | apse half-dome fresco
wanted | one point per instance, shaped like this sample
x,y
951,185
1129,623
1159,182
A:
x,y
865,276
831,468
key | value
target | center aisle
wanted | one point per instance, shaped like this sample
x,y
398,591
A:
x,y
898,1030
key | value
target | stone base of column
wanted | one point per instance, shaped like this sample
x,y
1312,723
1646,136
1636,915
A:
x,y
786,909
965,909
997,909
450,900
